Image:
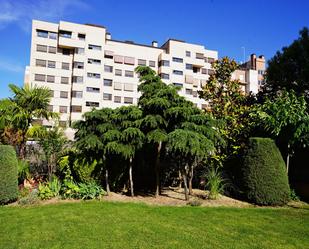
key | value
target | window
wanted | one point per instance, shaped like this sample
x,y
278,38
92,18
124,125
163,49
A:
x,y
108,54
261,72
79,65
65,66
41,48
175,59
189,91
52,35
50,108
211,71
79,51
178,84
108,69
65,34
78,79
141,62
52,50
128,100
66,51
63,109
164,76
128,73
188,53
195,69
92,104
117,99
63,124
189,66
118,72
194,93
107,96
177,72
64,94
77,94
118,59
64,80
76,108
164,63
42,33
81,37
199,56
128,87
40,63
93,89
129,60
204,71
50,78
152,63
51,64
94,61
107,82
117,86
39,77
94,75
94,47
210,60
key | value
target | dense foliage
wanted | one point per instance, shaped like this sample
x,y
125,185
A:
x,y
265,178
8,174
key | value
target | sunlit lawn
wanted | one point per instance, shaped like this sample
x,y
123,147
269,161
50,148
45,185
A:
x,y
120,225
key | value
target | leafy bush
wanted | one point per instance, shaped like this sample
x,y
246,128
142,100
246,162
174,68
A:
x,y
83,170
69,189
23,192
293,195
45,192
90,190
215,183
55,186
30,199
8,174
265,177
23,167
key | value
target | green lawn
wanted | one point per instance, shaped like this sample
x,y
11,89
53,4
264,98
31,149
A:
x,y
121,225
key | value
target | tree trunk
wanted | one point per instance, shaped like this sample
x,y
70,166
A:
x,y
180,179
190,180
288,160
157,169
107,182
184,175
130,177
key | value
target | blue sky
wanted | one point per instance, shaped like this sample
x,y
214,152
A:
x,y
261,26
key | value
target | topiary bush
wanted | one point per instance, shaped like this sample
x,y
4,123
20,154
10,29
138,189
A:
x,y
264,172
8,174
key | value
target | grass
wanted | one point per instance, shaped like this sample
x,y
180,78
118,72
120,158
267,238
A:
x,y
97,224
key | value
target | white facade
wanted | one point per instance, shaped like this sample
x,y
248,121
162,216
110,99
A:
x,y
85,68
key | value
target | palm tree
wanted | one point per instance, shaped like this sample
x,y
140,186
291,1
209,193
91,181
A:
x,y
19,112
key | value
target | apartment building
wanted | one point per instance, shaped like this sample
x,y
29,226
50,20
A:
x,y
85,68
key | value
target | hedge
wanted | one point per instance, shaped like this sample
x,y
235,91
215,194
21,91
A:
x,y
264,172
8,174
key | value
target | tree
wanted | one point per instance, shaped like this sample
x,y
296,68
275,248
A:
x,y
92,136
229,104
284,118
289,68
18,113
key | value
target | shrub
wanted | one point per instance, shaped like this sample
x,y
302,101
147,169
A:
x,y
8,174
55,186
89,191
265,177
69,189
30,199
294,196
44,192
214,183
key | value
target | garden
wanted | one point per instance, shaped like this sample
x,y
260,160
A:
x,y
162,173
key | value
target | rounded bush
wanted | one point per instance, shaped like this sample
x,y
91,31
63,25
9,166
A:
x,y
264,171
8,174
